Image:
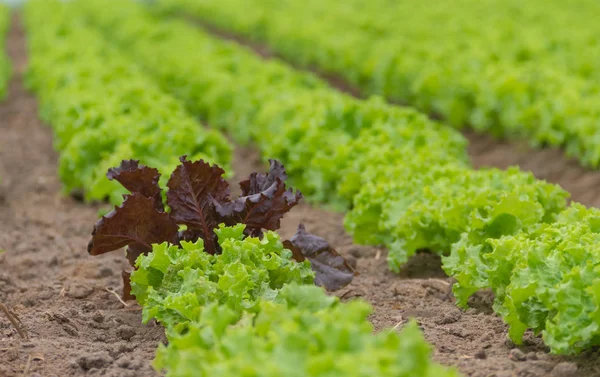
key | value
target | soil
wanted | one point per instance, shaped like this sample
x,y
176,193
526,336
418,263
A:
x,y
76,326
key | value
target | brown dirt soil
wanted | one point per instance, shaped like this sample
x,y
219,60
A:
x,y
548,163
77,328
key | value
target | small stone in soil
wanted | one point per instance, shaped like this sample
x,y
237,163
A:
x,y
480,354
80,291
532,356
94,360
564,369
124,362
449,317
12,354
487,336
361,251
98,317
516,355
125,332
88,306
123,348
445,349
70,329
105,272
53,262
541,355
130,362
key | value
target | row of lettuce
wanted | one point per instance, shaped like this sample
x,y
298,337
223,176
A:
x,y
406,180
103,109
512,69
250,310
4,62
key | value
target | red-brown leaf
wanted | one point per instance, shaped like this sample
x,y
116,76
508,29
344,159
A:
x,y
260,211
331,269
136,223
195,188
138,178
126,295
258,183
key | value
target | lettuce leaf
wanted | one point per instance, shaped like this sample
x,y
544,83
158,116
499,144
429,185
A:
x,y
546,279
174,283
302,333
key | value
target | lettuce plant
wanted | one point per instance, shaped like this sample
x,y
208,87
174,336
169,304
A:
x,y
252,310
301,333
174,283
546,280
199,202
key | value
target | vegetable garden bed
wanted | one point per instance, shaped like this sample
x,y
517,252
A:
x,y
74,325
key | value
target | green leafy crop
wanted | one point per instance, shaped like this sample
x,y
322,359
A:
x,y
174,284
510,68
4,62
102,108
302,333
290,115
406,179
433,210
547,279
251,311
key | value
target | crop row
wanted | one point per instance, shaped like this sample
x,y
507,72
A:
x,y
513,69
103,109
251,311
4,62
405,179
